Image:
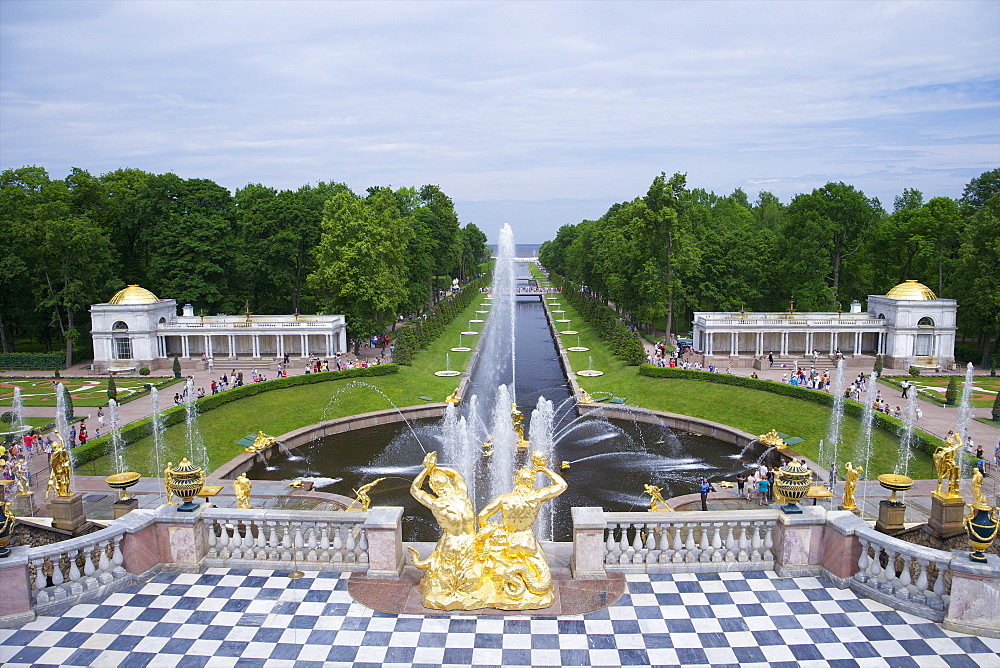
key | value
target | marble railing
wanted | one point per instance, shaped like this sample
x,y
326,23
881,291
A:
x,y
682,541
903,575
315,540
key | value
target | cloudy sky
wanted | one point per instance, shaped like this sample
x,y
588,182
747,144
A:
x,y
534,113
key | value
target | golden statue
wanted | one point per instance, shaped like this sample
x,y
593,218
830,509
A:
x,y
21,476
168,476
850,484
454,573
362,496
242,487
488,446
262,442
657,504
453,397
516,417
585,397
978,498
772,440
61,469
944,464
513,559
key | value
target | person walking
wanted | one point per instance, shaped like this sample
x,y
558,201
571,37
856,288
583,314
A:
x,y
705,489
763,487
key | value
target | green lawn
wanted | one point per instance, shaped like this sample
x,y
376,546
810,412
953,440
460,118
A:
x,y
754,411
283,410
84,391
984,388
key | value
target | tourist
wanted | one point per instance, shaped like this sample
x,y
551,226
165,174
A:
x,y
770,483
920,413
763,487
83,433
770,359
996,454
72,437
177,399
211,364
751,486
100,416
705,489
905,386
741,481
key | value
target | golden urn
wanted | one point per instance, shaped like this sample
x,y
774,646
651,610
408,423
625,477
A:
x,y
792,482
121,482
895,483
185,482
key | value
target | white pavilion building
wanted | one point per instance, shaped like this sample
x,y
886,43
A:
x,y
908,326
136,329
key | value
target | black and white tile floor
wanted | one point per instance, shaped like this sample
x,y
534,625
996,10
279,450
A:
x,y
233,617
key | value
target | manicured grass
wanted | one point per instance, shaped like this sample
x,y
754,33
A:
x,y
984,390
84,391
283,410
754,411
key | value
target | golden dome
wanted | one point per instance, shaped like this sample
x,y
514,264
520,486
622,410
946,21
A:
x,y
912,291
133,294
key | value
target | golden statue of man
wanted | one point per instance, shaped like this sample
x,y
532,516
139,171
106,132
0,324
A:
x,y
454,575
362,499
21,476
656,503
946,467
168,476
516,418
60,470
514,559
242,487
851,484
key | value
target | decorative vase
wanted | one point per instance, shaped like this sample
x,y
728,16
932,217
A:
x,y
981,525
121,482
792,482
185,482
896,483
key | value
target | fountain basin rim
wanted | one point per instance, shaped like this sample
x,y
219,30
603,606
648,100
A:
x,y
448,373
578,349
461,349
570,331
589,373
469,333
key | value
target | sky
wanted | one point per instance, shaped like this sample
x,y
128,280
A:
x,y
539,114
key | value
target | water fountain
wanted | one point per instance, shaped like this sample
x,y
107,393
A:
x,y
197,452
589,372
578,348
963,419
829,449
447,368
863,447
461,347
157,429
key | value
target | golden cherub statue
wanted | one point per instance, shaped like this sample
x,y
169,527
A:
x,y
60,470
657,504
947,468
362,498
516,418
850,484
453,397
772,440
585,397
168,476
262,442
242,487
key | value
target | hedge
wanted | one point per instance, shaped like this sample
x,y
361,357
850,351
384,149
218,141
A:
x,y
425,330
895,381
923,440
33,361
139,429
625,343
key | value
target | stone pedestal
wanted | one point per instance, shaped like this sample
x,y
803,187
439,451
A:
x,y
974,606
890,517
946,516
120,508
67,513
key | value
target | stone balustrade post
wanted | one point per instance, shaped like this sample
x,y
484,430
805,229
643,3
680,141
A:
x,y
181,538
588,544
798,545
139,548
842,548
15,589
385,541
974,606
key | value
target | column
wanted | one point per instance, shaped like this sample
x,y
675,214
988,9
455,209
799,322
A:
x,y
833,342
809,344
760,343
329,345
256,345
857,343
281,345
208,345
711,342
342,345
232,345
735,347
185,346
305,344
783,346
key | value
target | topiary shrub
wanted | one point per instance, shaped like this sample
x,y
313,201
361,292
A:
x,y
8,417
996,408
177,367
951,394
112,389
914,371
878,365
144,371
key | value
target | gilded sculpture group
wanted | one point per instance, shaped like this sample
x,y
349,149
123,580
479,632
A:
x,y
501,565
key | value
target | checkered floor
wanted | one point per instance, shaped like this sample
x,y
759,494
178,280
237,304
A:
x,y
232,617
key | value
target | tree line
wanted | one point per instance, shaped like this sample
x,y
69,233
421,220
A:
x,y
676,250
71,242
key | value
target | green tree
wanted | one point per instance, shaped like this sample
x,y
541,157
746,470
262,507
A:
x,y
112,389
979,190
996,408
951,393
176,368
360,266
979,275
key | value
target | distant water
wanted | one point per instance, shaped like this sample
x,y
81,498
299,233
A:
x,y
520,250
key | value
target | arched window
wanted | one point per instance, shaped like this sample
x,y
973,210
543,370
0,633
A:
x,y
925,322
122,344
162,321
881,316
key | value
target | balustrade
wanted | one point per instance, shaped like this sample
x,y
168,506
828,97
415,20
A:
x,y
326,540
74,567
902,574
642,542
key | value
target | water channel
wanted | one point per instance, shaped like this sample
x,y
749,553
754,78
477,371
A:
x,y
610,460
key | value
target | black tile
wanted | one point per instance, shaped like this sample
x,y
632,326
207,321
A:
x,y
601,641
459,655
544,641
625,626
768,638
397,655
749,655
691,655
733,624
231,648
215,633
679,625
713,640
820,636
806,652
567,626
342,653
861,650
657,641
177,646
124,643
785,622
633,657
286,651
376,638
575,657
751,609
515,657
